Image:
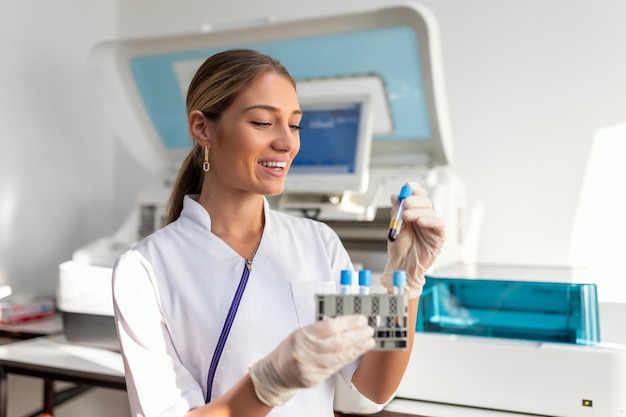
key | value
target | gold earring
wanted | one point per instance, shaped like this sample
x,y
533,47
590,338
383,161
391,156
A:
x,y
206,166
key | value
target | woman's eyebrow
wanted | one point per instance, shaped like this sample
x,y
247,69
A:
x,y
268,108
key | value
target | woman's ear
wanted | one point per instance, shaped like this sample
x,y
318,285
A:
x,y
200,128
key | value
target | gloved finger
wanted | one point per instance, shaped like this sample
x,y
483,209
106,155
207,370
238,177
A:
x,y
426,219
417,189
418,202
338,358
435,224
346,338
336,351
337,325
420,211
310,370
414,214
335,342
420,222
416,206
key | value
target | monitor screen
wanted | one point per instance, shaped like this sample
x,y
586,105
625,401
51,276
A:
x,y
334,148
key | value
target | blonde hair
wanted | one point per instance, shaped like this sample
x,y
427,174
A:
x,y
216,84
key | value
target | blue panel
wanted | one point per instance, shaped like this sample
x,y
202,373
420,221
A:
x,y
391,53
550,312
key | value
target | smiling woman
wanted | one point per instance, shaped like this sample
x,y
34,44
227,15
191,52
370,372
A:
x,y
193,300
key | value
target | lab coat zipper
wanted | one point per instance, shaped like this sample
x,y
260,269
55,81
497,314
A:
x,y
228,323
230,318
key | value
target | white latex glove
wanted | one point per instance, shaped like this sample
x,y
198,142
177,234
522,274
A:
x,y
309,356
421,239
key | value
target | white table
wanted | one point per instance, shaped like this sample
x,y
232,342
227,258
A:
x,y
54,359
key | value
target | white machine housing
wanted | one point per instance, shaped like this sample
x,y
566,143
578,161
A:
x,y
522,376
548,379
418,151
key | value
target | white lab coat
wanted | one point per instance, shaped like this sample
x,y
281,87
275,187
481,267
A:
x,y
172,293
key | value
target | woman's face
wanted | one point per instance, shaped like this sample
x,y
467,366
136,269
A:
x,y
258,137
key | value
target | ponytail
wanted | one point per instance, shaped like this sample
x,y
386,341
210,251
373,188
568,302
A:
x,y
189,181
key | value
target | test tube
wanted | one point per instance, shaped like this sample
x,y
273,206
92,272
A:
x,y
365,280
399,282
396,221
346,281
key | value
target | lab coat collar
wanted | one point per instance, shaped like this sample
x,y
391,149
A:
x,y
195,212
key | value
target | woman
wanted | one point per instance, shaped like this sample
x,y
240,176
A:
x,y
215,311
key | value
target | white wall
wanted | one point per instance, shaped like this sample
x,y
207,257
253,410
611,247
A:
x,y
529,84
56,161
56,183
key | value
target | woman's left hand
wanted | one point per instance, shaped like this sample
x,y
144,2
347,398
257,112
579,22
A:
x,y
421,239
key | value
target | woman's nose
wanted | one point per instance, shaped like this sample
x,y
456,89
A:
x,y
287,139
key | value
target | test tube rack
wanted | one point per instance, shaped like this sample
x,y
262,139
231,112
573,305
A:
x,y
386,313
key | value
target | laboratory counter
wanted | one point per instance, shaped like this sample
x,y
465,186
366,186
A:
x,y
53,358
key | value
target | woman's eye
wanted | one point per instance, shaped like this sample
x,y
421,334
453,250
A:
x,y
269,124
262,124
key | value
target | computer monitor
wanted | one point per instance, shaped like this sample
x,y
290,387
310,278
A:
x,y
335,144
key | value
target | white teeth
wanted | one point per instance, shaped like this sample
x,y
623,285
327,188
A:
x,y
273,164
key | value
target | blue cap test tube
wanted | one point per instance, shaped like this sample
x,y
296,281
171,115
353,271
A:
x,y
346,281
365,280
396,222
399,282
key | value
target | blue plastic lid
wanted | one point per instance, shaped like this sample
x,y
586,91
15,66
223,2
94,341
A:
x,y
405,192
530,310
346,277
365,278
399,278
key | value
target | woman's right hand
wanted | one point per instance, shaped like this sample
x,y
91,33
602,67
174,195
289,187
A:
x,y
310,355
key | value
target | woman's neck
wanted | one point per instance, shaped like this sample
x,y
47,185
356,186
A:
x,y
238,219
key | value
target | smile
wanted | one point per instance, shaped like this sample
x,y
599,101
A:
x,y
273,164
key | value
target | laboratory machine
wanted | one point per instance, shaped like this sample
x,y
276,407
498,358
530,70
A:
x,y
515,338
371,89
